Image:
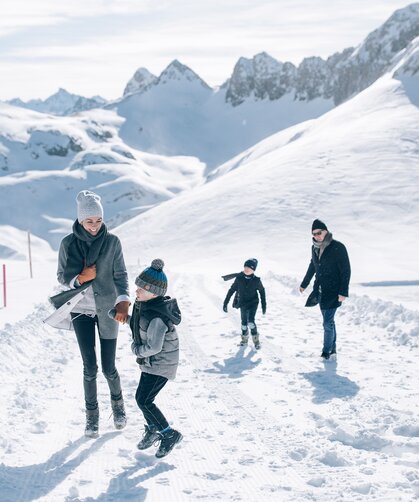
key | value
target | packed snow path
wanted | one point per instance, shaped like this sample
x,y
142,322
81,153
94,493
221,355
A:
x,y
275,424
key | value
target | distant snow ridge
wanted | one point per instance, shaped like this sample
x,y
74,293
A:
x,y
341,76
61,103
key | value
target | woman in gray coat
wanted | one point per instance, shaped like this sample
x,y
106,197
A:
x,y
90,254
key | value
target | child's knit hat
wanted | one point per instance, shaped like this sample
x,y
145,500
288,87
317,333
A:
x,y
153,278
251,263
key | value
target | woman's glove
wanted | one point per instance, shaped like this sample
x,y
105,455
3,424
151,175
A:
x,y
87,274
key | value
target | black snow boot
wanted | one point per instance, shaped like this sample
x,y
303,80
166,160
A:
x,y
325,355
169,440
92,423
119,415
150,436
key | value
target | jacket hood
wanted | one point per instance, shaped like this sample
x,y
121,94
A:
x,y
165,306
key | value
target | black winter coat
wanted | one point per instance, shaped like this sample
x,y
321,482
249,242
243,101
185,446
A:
x,y
247,289
333,272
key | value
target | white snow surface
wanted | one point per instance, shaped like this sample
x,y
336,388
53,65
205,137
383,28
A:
x,y
276,424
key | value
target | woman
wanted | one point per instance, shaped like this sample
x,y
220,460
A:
x,y
92,255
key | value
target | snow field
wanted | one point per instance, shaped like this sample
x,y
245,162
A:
x,y
274,424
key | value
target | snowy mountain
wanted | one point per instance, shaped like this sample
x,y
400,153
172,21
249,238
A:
x,y
261,97
61,103
179,114
356,167
46,160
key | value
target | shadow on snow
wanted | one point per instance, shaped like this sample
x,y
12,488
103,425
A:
x,y
31,482
236,365
329,385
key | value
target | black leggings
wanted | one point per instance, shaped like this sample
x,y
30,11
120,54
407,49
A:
x,y
248,313
148,388
84,326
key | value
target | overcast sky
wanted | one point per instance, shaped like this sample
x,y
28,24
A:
x,y
93,47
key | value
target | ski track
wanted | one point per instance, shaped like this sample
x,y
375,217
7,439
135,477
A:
x,y
258,425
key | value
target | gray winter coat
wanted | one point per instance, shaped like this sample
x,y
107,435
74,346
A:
x,y
111,281
155,339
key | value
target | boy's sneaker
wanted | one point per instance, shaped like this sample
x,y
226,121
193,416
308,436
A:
x,y
169,440
325,355
150,436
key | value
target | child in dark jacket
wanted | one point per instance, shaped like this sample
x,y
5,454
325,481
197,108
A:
x,y
156,345
246,286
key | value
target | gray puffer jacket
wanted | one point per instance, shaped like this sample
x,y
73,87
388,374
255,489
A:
x,y
155,339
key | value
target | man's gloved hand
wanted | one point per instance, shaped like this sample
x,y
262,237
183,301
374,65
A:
x,y
225,308
87,274
264,311
122,311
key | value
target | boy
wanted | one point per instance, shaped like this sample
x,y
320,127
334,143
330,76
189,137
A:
x,y
156,345
246,286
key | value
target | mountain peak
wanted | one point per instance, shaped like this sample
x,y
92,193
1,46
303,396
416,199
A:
x,y
176,71
141,80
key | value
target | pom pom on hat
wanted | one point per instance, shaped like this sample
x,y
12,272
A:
x,y
153,279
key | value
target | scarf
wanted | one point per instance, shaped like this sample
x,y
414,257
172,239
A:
x,y
84,250
319,247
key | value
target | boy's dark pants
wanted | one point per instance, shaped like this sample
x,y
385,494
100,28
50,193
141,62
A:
x,y
148,388
248,313
84,326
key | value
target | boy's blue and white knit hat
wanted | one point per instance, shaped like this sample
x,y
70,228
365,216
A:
x,y
153,278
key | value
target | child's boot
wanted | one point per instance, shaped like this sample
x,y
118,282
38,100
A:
x,y
244,338
169,439
256,341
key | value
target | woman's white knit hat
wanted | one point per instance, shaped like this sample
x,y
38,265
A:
x,y
88,205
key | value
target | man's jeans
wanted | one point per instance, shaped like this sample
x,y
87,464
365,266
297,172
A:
x,y
329,339
84,326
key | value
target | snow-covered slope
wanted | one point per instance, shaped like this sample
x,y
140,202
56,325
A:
x,y
45,160
356,167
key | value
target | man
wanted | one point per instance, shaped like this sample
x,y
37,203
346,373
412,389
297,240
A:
x,y
330,263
